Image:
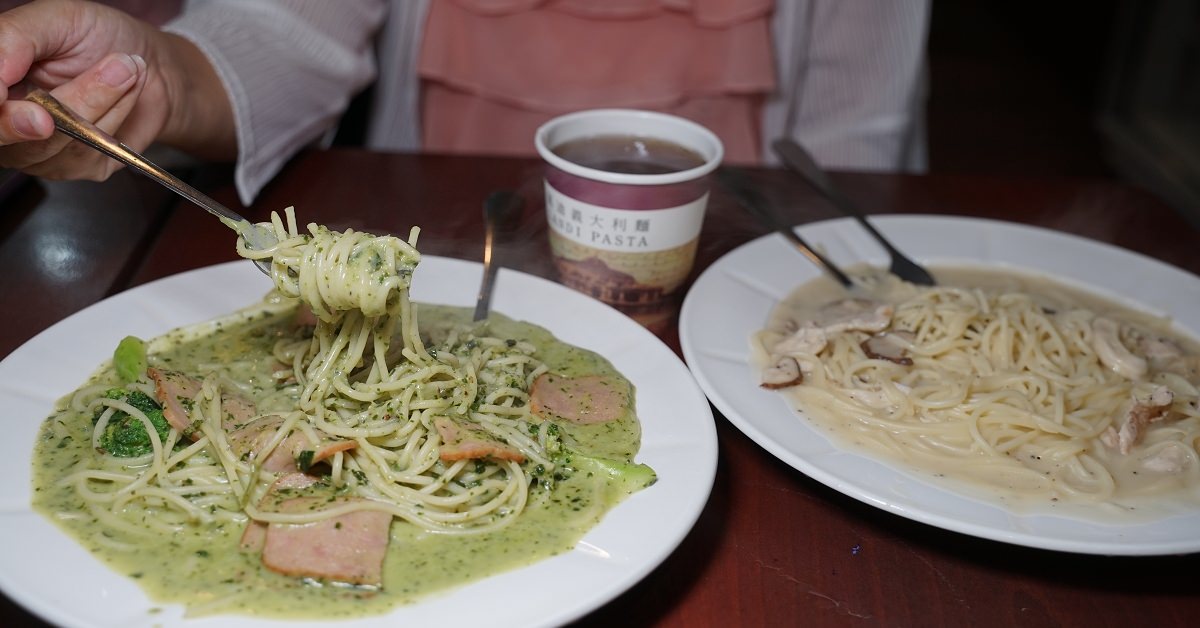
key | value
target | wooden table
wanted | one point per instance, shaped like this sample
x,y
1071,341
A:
x,y
772,547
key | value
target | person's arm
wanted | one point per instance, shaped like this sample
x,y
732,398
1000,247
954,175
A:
x,y
851,82
201,119
251,81
289,68
134,81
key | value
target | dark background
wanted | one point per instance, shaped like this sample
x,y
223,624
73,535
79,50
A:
x,y
1016,86
1103,89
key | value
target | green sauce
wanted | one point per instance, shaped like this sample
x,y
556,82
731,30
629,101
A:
x,y
202,567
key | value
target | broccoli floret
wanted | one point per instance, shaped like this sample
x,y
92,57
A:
x,y
630,477
125,436
129,359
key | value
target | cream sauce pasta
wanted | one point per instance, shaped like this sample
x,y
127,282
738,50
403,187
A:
x,y
1006,386
325,454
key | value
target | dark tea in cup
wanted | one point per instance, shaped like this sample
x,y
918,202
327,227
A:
x,y
626,192
629,154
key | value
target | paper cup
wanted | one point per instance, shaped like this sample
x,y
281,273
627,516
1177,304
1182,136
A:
x,y
618,233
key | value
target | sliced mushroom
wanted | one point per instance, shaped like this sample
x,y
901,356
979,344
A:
x,y
810,337
891,346
1106,340
855,314
784,374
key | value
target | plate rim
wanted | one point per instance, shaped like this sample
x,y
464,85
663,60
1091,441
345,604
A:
x,y
700,440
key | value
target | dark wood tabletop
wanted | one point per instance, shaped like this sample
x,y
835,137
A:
x,y
772,546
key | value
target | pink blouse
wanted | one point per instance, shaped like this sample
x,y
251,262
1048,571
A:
x,y
492,71
849,75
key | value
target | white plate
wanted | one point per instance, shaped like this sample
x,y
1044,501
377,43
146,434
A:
x,y
49,573
732,299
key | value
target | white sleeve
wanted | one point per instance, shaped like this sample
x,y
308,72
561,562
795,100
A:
x,y
290,68
852,82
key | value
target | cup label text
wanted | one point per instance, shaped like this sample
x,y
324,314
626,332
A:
x,y
640,230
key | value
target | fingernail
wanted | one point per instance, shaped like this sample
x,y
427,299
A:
x,y
25,125
118,70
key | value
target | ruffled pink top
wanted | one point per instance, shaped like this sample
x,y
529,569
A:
x,y
492,71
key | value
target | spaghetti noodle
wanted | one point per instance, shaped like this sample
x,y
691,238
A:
x,y
1027,388
429,424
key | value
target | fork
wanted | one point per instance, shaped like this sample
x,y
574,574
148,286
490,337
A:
x,y
801,162
501,215
75,126
752,200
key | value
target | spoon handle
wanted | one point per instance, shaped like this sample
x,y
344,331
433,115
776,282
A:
x,y
753,201
79,128
501,215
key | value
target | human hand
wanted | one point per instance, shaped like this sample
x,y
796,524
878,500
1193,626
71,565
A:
x,y
95,60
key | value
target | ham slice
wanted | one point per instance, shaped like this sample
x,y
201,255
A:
x,y
463,442
255,534
348,548
304,316
583,400
248,433
253,537
251,438
177,392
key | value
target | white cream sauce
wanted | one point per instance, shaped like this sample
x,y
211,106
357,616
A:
x,y
1143,494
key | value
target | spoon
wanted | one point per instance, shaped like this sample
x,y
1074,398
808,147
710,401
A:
x,y
751,199
70,123
501,214
801,162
